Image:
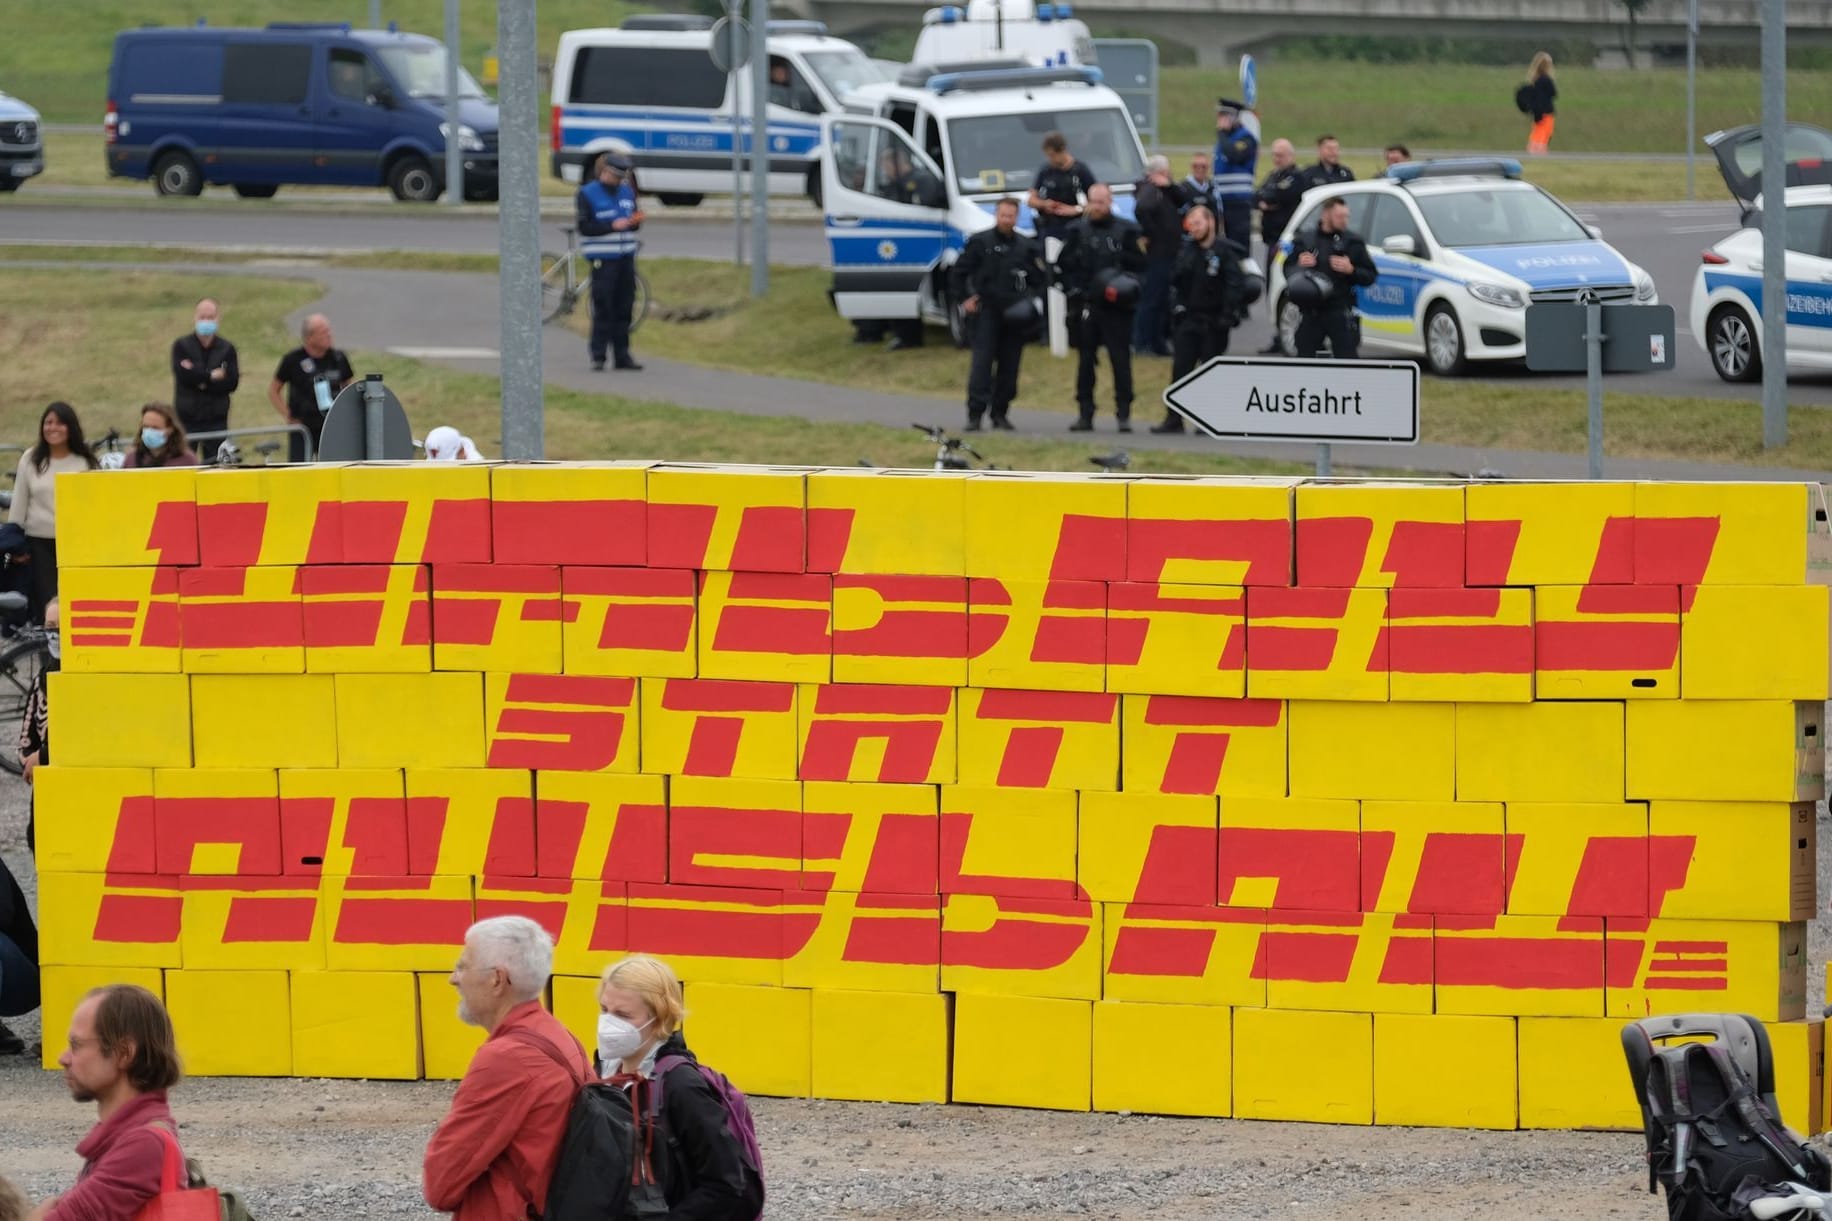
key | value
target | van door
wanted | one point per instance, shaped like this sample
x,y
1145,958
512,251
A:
x,y
886,216
264,130
354,124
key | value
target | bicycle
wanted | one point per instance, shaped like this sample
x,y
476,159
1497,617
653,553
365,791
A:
x,y
111,452
954,454
230,454
562,287
22,659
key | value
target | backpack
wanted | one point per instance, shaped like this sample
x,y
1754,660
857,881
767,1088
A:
x,y
1714,1142
738,1121
195,1198
1523,98
591,1179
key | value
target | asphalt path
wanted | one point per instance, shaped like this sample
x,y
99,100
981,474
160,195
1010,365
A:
x,y
1666,239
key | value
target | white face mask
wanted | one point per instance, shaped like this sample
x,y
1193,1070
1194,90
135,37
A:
x,y
617,1040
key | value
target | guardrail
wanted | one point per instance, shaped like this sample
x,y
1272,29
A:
x,y
229,434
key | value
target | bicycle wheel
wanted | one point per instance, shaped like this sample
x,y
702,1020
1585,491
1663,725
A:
x,y
559,291
639,304
20,666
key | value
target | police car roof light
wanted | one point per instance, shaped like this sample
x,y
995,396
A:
x,y
817,29
667,22
1012,78
1046,13
918,75
1455,167
1064,12
947,14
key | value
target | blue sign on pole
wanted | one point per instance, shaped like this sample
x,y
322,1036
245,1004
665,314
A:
x,y
1249,82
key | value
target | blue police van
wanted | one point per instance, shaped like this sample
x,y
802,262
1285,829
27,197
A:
x,y
295,103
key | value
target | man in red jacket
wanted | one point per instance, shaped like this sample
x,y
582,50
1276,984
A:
x,y
492,1156
122,1057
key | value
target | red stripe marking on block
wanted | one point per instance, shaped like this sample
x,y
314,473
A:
x,y
882,700
726,695
1207,712
1489,551
769,539
1079,707
270,919
1606,646
581,691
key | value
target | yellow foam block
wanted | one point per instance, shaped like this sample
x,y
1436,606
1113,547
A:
x,y
1008,841
859,522
555,722
724,832
1026,526
1754,642
1021,947
1606,642
568,513
1053,636
1294,1064
1377,962
1177,639
1572,1075
410,720
1443,1071
1460,644
127,523
734,519
870,838
446,1044
502,617
242,620
1197,1038
352,820
1317,644
395,924
1538,966
119,620
416,513
85,824
1378,536
1039,739
1544,751
1720,533
1186,744
356,1024
1290,854
867,732
861,942
1751,860
1184,955
597,825
213,1013
623,621
881,1046
1395,752
257,515
1209,530
1147,848
1433,857
470,821
761,1038
1579,860
588,918
61,990
367,618
121,720
1756,967
1550,533
266,720
217,821
252,923
719,727
1800,1073
91,920
1727,750
1023,1051
575,1003
712,934
901,629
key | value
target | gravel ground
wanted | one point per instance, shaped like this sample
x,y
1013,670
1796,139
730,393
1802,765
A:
x,y
343,1149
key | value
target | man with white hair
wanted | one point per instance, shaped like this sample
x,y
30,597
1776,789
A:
x,y
492,1156
1159,210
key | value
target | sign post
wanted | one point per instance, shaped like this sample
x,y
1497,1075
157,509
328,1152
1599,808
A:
x,y
1591,338
730,50
365,424
1364,402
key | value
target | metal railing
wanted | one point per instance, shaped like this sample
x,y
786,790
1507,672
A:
x,y
229,434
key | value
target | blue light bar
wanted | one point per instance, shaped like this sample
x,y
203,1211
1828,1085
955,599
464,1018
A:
x,y
1013,78
1455,167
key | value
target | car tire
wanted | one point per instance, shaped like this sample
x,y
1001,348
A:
x,y
680,199
411,179
9,185
256,190
1730,338
1444,351
1285,321
960,330
176,174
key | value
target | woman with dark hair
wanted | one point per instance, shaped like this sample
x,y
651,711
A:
x,y
161,441
60,450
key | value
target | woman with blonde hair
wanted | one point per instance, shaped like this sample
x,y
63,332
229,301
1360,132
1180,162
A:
x,y
698,1165
1541,94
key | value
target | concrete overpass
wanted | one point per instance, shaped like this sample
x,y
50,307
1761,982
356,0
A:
x,y
1219,30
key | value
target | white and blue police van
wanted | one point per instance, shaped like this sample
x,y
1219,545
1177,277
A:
x,y
919,165
1463,246
1727,288
650,90
1045,35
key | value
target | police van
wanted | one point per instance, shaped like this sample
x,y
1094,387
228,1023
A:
x,y
920,163
1040,34
650,90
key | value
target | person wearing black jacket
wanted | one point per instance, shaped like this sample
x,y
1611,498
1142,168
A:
x,y
1100,265
18,960
1339,253
1329,170
205,373
1205,299
1277,200
1541,99
999,270
1059,187
1158,205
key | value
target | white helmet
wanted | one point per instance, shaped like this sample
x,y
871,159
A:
x,y
228,454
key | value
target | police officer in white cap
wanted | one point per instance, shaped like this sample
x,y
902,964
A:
x,y
608,218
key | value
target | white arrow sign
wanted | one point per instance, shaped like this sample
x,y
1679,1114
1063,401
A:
x,y
1369,402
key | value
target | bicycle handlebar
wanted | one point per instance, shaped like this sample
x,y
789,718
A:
x,y
1770,1207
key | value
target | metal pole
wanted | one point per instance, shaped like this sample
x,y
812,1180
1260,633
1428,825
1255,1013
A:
x,y
1691,92
760,148
454,155
519,230
375,14
1323,457
374,446
1774,223
1593,381
734,12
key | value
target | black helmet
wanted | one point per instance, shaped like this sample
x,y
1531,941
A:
x,y
1308,288
1118,288
1022,313
1252,281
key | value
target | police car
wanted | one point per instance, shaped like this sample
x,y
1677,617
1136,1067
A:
x,y
1463,247
920,163
1727,291
21,143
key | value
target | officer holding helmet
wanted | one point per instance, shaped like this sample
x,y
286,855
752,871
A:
x,y
608,218
1322,272
997,280
1101,265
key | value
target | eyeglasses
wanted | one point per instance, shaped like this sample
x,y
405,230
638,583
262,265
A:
x,y
77,1045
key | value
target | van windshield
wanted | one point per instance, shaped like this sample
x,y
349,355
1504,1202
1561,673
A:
x,y
1003,152
842,71
420,71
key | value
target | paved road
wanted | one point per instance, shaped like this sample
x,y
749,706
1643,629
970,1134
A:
x,y
1665,239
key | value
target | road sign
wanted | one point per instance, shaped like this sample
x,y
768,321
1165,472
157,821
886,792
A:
x,y
731,44
1366,402
1636,338
1249,82
350,435
1129,66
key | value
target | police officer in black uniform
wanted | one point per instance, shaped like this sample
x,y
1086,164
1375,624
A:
x,y
997,280
1057,191
1101,267
1206,299
1339,254
1277,201
1329,170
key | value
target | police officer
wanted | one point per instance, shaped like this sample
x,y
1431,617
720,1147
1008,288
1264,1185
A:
x,y
1102,261
608,219
1277,200
997,280
1342,258
1206,298
899,182
1236,155
1329,170
1198,186
1057,191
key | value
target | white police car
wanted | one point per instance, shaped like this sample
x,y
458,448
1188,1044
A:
x,y
1727,291
1463,247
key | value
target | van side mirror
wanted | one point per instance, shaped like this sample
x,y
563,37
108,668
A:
x,y
382,95
1400,243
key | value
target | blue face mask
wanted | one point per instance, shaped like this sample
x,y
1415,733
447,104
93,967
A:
x,y
152,438
206,327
